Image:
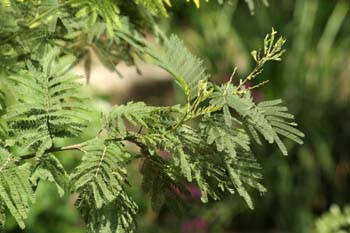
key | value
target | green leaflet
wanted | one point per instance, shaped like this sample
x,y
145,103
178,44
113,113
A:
x,y
335,220
233,143
155,119
172,144
15,188
101,173
115,217
49,168
155,6
268,118
226,138
2,99
135,113
2,216
49,104
3,131
48,14
159,6
99,181
192,158
159,181
182,65
91,10
155,181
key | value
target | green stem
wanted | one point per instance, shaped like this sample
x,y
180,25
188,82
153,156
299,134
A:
x,y
54,149
130,138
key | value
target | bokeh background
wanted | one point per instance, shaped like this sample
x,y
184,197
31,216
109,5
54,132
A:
x,y
314,81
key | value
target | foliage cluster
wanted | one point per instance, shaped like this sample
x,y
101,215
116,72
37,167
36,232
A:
x,y
335,220
313,79
209,137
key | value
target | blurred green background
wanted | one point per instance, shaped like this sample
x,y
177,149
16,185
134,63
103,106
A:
x,y
314,81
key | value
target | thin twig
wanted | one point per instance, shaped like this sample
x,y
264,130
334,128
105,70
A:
x,y
54,149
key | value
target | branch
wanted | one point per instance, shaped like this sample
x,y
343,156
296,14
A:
x,y
130,138
54,149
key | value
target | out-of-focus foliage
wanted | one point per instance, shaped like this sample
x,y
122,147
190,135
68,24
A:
x,y
334,221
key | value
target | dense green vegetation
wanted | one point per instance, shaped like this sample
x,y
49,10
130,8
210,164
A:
x,y
58,146
314,80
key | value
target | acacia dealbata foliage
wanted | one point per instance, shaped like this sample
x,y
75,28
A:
x,y
209,138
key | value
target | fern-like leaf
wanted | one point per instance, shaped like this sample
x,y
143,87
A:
x,y
180,63
155,119
226,138
233,143
268,118
214,168
115,217
15,188
159,181
49,168
155,6
135,113
101,173
108,10
2,216
49,104
99,179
